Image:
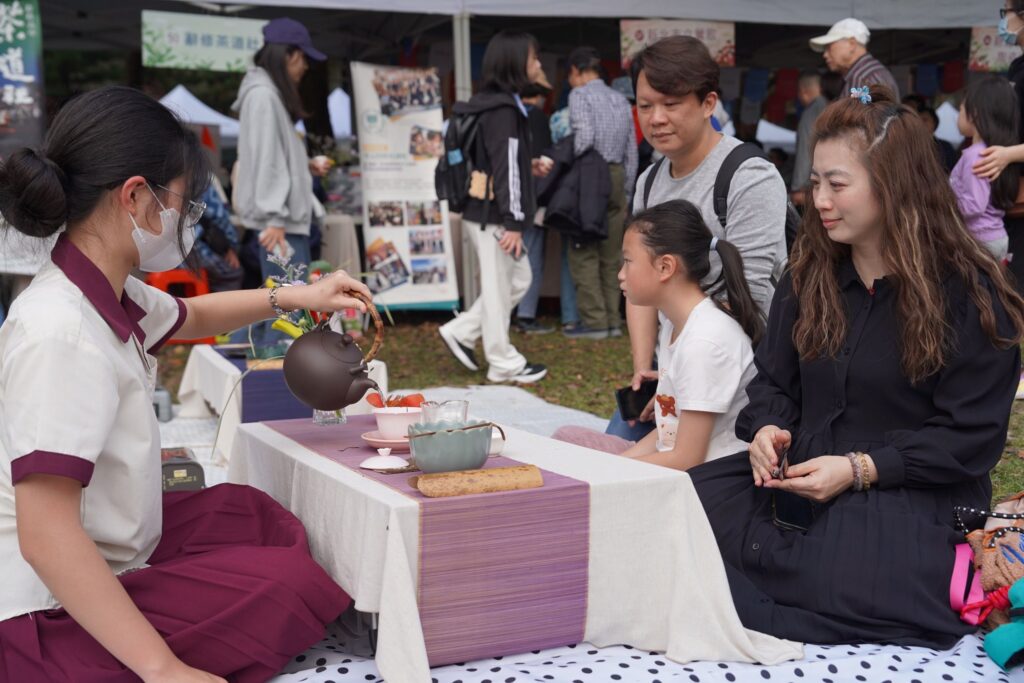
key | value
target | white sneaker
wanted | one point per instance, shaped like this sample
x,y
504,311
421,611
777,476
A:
x,y
533,372
462,353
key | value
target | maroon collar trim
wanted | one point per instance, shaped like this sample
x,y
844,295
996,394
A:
x,y
123,316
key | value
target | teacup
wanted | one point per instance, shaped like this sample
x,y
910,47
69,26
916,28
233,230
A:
x,y
393,423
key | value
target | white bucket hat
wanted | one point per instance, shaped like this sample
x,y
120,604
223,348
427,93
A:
x,y
847,28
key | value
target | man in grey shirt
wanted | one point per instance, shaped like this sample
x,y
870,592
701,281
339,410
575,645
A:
x,y
813,102
676,84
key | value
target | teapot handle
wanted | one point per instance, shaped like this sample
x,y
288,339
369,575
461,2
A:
x,y
378,337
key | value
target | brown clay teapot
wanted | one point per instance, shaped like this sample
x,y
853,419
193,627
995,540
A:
x,y
326,370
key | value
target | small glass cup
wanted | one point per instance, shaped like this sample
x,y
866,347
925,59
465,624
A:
x,y
446,411
325,418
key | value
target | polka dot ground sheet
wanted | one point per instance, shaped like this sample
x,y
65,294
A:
x,y
342,658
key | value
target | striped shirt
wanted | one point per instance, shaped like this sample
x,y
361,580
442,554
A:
x,y
868,71
602,120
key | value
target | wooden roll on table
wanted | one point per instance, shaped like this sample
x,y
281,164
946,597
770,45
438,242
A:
x,y
466,482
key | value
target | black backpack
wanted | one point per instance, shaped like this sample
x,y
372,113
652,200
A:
x,y
733,161
455,167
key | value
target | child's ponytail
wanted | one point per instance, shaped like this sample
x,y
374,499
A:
x,y
742,306
676,227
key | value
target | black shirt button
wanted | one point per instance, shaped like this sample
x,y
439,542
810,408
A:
x,y
756,546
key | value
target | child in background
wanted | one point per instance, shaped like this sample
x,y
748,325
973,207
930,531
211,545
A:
x,y
989,115
704,348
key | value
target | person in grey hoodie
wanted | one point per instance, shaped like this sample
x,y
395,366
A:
x,y
273,193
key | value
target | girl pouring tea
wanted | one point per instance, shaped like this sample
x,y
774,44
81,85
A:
x,y
104,578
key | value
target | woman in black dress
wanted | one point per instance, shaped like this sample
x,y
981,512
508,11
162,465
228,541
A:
x,y
883,394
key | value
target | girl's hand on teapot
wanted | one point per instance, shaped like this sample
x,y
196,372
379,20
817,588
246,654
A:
x,y
330,293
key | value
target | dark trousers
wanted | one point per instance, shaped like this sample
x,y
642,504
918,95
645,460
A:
x,y
595,265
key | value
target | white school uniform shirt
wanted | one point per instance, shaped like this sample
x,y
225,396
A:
x,y
707,368
76,384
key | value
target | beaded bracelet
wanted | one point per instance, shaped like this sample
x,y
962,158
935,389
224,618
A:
x,y
273,302
858,473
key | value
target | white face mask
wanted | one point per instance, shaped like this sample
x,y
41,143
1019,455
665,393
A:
x,y
158,253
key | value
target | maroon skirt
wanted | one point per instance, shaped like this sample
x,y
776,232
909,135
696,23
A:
x,y
231,587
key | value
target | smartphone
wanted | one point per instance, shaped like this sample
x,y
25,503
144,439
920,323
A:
x,y
790,512
632,403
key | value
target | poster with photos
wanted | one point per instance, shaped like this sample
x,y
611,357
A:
x,y
409,255
718,36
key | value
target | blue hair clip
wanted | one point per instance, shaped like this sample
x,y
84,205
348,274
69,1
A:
x,y
862,93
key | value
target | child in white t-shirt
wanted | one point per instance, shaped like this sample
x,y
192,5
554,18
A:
x,y
705,349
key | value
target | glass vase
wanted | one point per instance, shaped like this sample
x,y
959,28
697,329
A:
x,y
329,417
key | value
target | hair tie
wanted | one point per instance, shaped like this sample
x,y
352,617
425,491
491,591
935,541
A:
x,y
714,243
863,93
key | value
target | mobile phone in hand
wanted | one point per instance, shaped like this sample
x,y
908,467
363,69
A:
x,y
632,403
499,235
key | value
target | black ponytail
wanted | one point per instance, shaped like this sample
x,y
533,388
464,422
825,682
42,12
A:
x,y
677,228
96,142
742,306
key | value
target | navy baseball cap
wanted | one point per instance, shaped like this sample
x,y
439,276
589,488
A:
x,y
290,32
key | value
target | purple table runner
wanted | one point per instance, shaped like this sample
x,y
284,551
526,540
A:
x,y
500,573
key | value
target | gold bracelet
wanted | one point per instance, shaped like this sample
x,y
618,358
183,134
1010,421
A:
x,y
863,458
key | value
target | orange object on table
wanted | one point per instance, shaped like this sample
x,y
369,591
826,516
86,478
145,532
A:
x,y
190,284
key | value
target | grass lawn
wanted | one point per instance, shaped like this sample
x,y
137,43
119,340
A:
x,y
581,374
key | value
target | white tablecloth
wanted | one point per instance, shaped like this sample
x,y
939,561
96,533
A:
x,y
206,389
656,579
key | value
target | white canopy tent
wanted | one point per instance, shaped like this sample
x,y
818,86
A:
x,y
890,14
877,14
339,109
191,109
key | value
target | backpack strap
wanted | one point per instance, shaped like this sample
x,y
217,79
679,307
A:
x,y
727,170
649,183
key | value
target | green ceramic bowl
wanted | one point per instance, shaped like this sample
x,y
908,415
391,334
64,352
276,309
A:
x,y
449,450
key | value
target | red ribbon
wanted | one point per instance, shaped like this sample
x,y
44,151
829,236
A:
x,y
997,599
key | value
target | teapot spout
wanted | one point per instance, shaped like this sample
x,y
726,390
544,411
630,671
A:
x,y
360,385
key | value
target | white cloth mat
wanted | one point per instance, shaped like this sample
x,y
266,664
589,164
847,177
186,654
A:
x,y
341,657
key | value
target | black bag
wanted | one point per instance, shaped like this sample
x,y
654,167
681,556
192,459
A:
x,y
726,171
455,167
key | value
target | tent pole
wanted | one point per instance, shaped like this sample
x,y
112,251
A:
x,y
462,59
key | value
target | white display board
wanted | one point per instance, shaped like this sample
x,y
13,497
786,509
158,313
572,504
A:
x,y
409,255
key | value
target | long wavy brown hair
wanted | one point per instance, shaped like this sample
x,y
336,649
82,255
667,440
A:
x,y
924,239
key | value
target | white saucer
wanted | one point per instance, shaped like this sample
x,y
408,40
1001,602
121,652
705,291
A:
x,y
375,440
